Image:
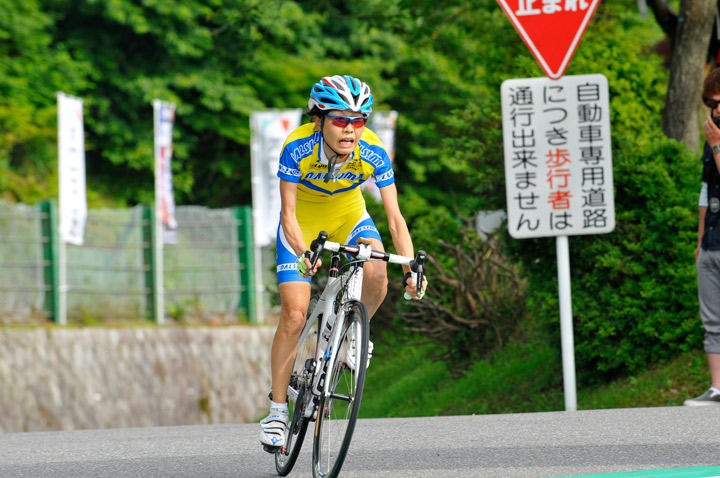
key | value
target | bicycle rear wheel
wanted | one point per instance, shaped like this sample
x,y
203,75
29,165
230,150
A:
x,y
339,407
300,380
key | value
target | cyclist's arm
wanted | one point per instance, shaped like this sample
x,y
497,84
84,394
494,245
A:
x,y
398,227
288,218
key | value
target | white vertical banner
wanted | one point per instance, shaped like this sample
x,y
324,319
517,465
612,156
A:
x,y
164,114
72,189
383,123
165,223
71,169
268,132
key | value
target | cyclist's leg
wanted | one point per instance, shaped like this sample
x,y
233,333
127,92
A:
x,y
295,295
374,281
375,273
294,298
374,277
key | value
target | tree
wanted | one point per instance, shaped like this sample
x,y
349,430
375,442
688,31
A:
x,y
689,33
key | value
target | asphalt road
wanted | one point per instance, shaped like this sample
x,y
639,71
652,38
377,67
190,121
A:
x,y
537,445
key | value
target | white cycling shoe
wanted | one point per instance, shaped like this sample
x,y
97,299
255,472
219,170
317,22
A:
x,y
351,354
274,428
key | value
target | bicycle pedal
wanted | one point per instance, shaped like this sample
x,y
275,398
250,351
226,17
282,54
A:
x,y
271,449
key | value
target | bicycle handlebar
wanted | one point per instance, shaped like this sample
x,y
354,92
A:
x,y
417,265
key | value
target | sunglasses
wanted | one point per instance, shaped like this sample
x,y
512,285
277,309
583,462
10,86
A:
x,y
343,121
712,104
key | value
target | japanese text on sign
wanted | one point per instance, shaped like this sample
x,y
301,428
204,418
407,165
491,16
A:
x,y
558,161
536,7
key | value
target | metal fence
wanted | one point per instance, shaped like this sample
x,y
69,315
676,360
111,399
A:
x,y
208,275
22,284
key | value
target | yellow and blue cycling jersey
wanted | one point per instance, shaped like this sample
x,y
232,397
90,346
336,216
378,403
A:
x,y
303,162
336,206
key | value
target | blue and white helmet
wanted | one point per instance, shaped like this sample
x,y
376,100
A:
x,y
341,93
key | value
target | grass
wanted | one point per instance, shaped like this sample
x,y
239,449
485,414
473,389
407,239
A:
x,y
404,381
662,385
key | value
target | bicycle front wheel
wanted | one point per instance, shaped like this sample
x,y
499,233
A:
x,y
300,384
340,403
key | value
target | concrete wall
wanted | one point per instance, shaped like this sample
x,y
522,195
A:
x,y
77,378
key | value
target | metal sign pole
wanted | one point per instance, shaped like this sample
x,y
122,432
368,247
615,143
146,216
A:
x,y
62,284
159,312
566,323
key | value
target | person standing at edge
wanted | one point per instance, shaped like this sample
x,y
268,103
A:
x,y
707,254
322,165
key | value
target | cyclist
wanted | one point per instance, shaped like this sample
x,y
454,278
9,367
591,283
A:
x,y
322,165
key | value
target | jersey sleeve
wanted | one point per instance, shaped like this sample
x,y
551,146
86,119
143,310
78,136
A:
x,y
289,167
373,151
299,145
384,175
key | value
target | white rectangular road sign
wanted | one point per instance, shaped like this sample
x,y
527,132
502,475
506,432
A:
x,y
558,158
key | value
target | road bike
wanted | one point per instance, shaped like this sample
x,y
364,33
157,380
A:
x,y
324,388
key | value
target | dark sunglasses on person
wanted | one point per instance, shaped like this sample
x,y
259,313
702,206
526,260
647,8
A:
x,y
343,121
712,104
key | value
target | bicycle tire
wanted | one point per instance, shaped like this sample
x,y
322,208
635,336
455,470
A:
x,y
286,457
338,410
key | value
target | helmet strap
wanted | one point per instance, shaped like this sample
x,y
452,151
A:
x,y
331,166
333,159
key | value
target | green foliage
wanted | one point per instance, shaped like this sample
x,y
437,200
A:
x,y
219,61
475,297
32,69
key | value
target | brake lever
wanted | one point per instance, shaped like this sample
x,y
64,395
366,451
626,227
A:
x,y
417,268
419,280
316,247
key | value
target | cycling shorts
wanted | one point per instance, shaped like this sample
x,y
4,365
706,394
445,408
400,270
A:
x,y
344,225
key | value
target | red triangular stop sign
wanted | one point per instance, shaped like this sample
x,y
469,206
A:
x,y
550,28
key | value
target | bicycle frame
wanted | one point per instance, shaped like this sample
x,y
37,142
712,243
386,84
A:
x,y
326,352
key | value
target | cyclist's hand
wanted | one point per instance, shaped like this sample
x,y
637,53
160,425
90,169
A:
x,y
411,287
303,265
